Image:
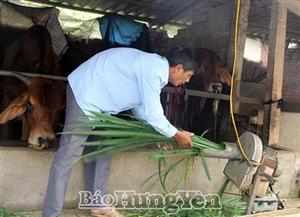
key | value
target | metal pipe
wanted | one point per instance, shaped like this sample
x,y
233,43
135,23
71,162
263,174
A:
x,y
32,75
225,97
17,75
231,152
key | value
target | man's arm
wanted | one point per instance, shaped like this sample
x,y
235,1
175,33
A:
x,y
151,109
183,138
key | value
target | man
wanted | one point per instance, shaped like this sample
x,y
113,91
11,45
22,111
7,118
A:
x,y
112,81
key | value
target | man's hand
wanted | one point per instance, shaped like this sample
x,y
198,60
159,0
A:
x,y
166,147
184,139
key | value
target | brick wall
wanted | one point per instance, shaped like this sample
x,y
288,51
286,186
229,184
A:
x,y
291,79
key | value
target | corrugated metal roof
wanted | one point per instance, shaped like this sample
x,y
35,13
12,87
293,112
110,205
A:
x,y
159,12
180,12
156,12
259,24
259,20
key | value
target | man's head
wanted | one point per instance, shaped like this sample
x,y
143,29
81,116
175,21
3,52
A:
x,y
182,65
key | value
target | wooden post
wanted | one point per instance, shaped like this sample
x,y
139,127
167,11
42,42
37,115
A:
x,y
292,5
275,72
242,33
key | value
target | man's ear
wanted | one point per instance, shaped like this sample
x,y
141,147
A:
x,y
178,67
15,109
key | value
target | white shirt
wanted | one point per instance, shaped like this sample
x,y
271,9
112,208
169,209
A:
x,y
120,79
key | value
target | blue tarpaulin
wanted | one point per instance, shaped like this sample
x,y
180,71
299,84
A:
x,y
117,30
120,29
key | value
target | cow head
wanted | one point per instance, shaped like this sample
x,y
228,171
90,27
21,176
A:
x,y
38,107
209,63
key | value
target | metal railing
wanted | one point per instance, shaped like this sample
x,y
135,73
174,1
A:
x,y
25,77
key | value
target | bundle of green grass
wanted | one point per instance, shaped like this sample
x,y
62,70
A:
x,y
119,135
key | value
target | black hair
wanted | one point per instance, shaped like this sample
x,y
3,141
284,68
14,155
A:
x,y
184,56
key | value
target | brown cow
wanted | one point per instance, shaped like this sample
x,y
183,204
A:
x,y
199,115
38,104
38,107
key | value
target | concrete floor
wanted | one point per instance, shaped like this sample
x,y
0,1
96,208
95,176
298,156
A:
x,y
282,213
292,209
294,212
66,213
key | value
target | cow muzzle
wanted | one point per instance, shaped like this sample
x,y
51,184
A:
x,y
42,143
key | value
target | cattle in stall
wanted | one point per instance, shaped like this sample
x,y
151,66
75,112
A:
x,y
199,116
37,105
79,50
196,114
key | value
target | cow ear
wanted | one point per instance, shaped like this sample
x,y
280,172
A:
x,y
15,109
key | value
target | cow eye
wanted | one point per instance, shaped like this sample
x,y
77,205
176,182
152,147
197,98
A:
x,y
29,108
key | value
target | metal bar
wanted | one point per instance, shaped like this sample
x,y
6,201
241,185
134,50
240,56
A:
x,y
17,75
231,152
224,97
32,75
197,93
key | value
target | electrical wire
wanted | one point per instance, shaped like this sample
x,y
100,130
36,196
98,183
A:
x,y
252,163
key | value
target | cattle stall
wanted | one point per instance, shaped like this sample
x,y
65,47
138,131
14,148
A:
x,y
266,90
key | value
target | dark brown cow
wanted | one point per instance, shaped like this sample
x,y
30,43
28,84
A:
x,y
209,72
199,116
38,104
